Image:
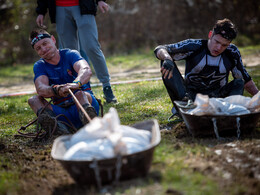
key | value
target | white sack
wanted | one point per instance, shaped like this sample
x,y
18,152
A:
x,y
254,103
105,138
232,105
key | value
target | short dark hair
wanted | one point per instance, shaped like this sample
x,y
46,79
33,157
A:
x,y
226,29
37,35
36,32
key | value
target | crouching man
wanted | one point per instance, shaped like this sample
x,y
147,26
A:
x,y
54,74
208,65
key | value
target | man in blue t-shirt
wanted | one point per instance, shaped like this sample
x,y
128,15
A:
x,y
55,73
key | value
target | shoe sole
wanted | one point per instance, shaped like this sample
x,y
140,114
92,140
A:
x,y
112,101
48,122
91,112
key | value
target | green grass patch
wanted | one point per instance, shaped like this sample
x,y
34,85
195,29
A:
x,y
176,173
144,59
250,50
8,182
137,102
139,60
16,74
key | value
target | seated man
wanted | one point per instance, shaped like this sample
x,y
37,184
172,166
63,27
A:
x,y
55,73
208,64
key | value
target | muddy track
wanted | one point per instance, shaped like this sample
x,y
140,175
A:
x,y
228,163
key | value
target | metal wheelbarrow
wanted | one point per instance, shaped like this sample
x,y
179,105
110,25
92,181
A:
x,y
107,171
219,125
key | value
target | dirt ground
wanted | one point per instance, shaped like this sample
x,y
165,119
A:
x,y
231,162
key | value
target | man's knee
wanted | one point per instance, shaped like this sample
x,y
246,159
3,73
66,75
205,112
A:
x,y
33,100
239,82
83,97
30,100
36,102
79,94
235,87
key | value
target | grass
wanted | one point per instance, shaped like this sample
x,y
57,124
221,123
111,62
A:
x,y
138,60
16,74
141,101
250,50
144,59
8,182
138,102
176,173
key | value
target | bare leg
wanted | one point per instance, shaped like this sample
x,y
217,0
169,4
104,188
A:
x,y
83,97
85,100
37,102
47,119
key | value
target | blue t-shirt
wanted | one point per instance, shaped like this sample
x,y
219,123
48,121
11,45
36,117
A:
x,y
61,73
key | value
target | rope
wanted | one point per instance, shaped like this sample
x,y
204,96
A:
x,y
22,128
48,134
101,106
40,135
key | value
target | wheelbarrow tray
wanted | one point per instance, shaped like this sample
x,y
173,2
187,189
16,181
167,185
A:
x,y
227,125
132,165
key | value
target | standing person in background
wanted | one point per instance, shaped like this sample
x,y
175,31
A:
x,y
208,65
76,26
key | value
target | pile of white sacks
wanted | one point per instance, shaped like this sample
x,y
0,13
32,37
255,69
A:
x,y
105,138
232,105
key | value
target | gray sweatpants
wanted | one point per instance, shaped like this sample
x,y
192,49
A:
x,y
76,31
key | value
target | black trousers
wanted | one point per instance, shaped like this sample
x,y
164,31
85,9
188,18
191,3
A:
x,y
177,89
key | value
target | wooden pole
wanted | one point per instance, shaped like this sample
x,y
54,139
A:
x,y
79,105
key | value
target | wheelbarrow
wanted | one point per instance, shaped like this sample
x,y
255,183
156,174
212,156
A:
x,y
108,171
219,125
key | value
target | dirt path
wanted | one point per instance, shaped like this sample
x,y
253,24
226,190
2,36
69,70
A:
x,y
229,163
116,77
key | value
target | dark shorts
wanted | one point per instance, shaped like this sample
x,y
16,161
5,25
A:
x,y
72,112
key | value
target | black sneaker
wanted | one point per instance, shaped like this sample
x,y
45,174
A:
x,y
109,96
90,110
47,123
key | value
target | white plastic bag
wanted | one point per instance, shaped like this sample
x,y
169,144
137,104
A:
x,y
98,149
105,138
254,103
232,105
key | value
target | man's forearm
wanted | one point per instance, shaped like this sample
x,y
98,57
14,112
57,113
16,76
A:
x,y
84,75
83,70
251,87
162,54
45,91
42,87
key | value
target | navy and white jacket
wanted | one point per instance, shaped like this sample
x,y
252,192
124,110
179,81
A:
x,y
86,7
204,71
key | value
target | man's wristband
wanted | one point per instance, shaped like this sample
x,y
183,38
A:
x,y
78,82
54,89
